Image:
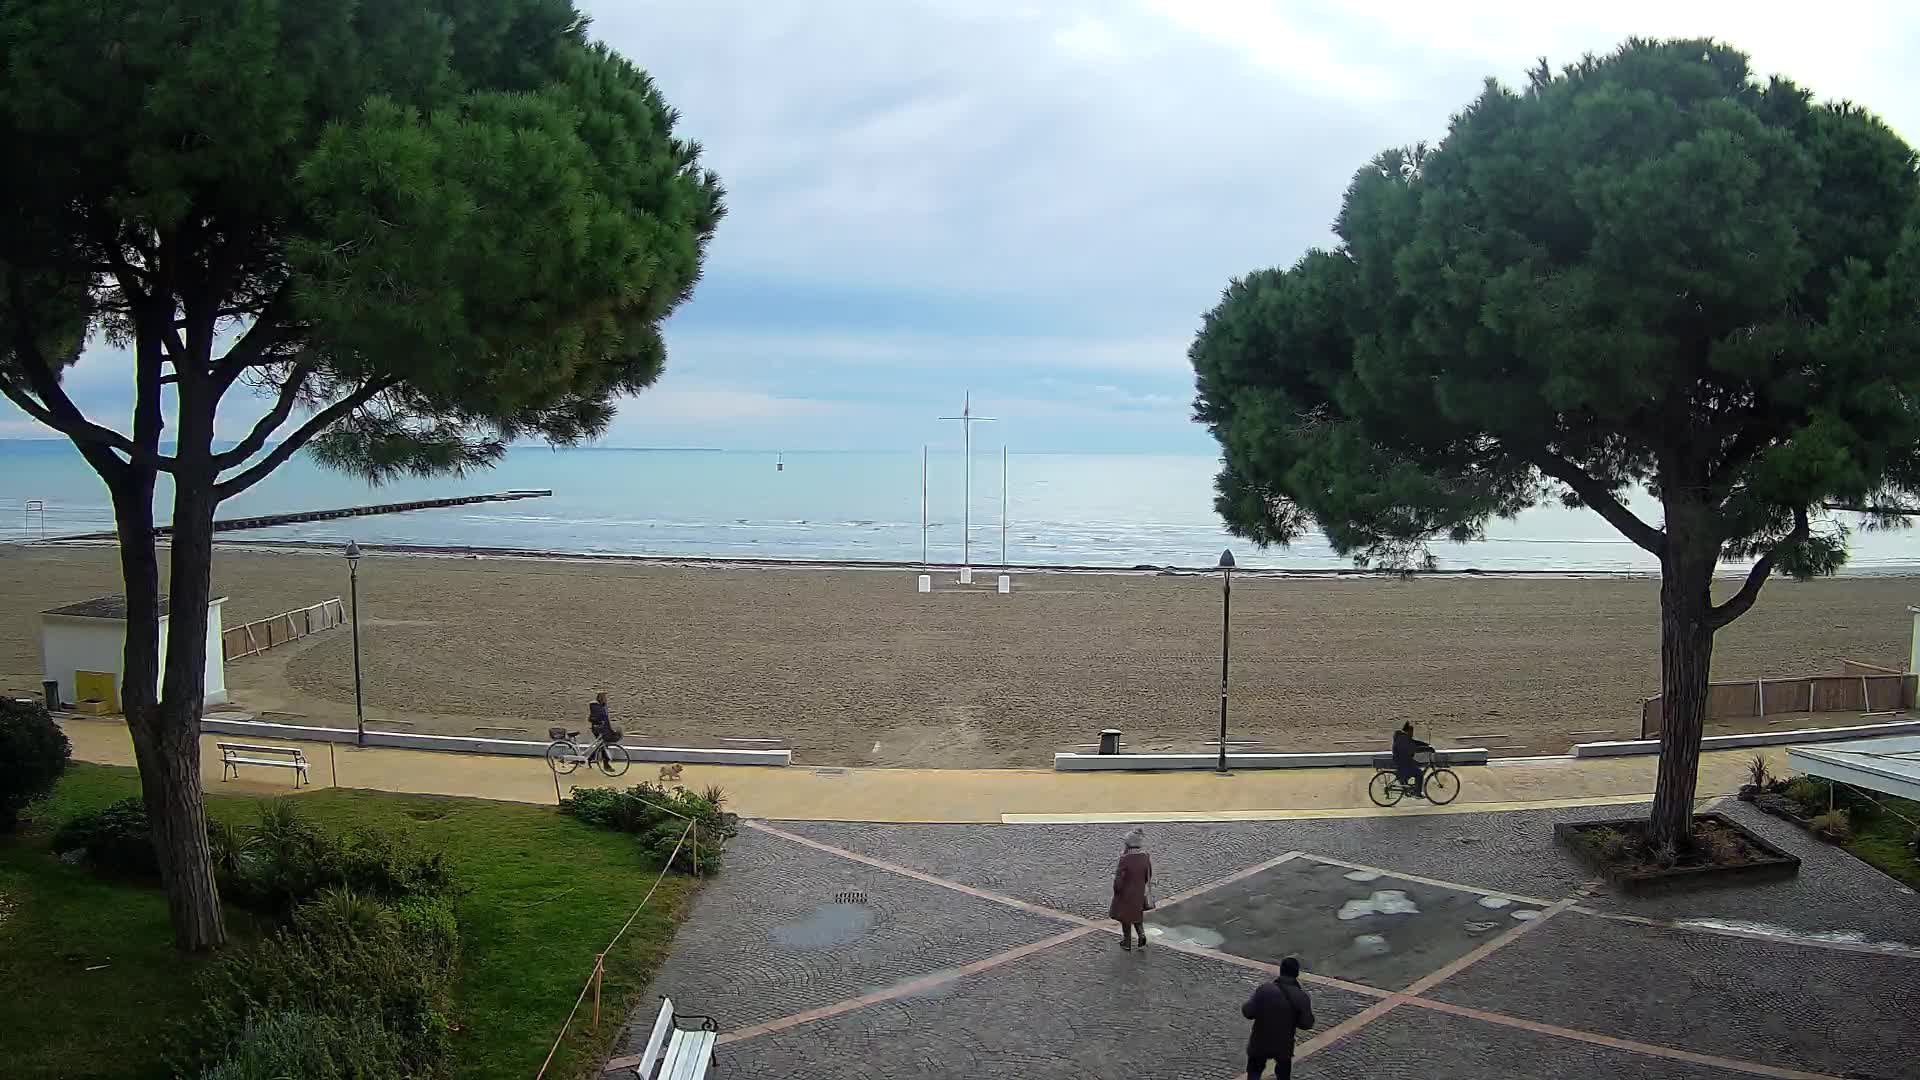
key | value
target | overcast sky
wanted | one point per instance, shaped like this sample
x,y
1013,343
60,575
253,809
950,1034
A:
x,y
1036,201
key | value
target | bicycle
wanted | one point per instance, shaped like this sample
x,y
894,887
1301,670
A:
x,y
1438,784
564,754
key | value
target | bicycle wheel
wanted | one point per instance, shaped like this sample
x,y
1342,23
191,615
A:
x,y
562,758
1442,787
1384,789
614,760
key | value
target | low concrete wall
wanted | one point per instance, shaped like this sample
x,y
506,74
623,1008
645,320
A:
x,y
461,744
1758,738
1156,762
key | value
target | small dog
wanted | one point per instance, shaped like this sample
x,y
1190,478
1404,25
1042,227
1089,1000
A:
x,y
670,772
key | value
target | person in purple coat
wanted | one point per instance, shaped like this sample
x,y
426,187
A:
x,y
1130,881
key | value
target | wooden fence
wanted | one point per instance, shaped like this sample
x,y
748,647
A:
x,y
1860,688
258,637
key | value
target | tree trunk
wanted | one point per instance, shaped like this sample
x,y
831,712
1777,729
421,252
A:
x,y
166,744
1686,664
179,818
175,800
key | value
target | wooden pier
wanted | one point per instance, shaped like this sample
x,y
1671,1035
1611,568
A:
x,y
266,521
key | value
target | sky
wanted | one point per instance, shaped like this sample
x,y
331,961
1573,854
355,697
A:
x,y
1035,202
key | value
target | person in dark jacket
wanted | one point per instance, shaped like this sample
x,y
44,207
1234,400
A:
x,y
1277,1009
1404,766
602,725
1130,879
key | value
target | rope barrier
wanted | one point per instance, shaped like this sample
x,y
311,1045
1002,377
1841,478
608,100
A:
x,y
599,962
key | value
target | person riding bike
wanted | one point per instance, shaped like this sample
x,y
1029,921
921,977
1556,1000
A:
x,y
603,730
1407,769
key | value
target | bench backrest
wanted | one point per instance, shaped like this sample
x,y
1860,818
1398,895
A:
x,y
656,1042
291,751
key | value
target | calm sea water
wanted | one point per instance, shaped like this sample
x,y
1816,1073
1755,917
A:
x,y
1062,510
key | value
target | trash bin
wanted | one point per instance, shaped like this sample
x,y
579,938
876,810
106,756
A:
x,y
51,688
1110,741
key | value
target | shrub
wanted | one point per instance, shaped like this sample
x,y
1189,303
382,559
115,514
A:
x,y
285,860
658,816
1834,826
116,839
429,927
1759,774
669,840
1724,847
377,862
277,1045
1812,795
33,754
1605,842
349,958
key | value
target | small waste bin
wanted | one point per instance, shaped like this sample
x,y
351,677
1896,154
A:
x,y
51,688
1110,741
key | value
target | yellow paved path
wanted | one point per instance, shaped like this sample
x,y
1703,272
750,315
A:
x,y
961,795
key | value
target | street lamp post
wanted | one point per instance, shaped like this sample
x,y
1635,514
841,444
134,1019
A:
x,y
353,587
1226,626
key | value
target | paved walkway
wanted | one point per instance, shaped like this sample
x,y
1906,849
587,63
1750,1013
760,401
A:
x,y
955,795
1464,947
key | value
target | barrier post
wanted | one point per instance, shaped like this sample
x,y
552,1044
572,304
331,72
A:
x,y
599,966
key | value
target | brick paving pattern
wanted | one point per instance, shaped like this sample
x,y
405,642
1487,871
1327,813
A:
x,y
1465,947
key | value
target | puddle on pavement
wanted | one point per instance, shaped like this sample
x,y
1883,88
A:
x,y
1495,902
1838,937
1371,945
1526,915
1197,936
1363,875
1383,902
829,926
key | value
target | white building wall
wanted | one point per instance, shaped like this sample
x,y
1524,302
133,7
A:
x,y
69,644
216,688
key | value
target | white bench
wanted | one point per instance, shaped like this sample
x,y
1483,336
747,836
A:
x,y
688,1051
233,755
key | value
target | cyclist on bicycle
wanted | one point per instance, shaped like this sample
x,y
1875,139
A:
x,y
603,730
1408,770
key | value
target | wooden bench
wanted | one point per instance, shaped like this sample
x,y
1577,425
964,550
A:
x,y
688,1052
233,755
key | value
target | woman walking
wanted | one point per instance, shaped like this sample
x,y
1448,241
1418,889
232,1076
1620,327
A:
x,y
1130,880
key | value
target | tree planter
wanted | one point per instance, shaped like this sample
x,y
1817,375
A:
x,y
1755,860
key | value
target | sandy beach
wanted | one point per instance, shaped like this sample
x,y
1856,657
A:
x,y
853,667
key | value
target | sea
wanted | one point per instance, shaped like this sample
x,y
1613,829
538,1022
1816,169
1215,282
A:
x,y
1119,511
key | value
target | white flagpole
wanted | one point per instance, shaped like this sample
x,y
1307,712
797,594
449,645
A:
x,y
967,420
1003,506
923,506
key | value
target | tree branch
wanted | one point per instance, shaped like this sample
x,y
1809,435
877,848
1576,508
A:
x,y
54,408
291,445
282,408
269,329
1596,496
1737,604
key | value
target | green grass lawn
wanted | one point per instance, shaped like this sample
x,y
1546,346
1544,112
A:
x,y
1880,838
543,893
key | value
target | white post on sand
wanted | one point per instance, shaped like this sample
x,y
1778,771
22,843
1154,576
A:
x,y
923,506
1006,579
1913,661
967,420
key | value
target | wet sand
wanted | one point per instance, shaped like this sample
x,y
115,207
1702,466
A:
x,y
853,667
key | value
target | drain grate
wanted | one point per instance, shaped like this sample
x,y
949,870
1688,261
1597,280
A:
x,y
849,898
